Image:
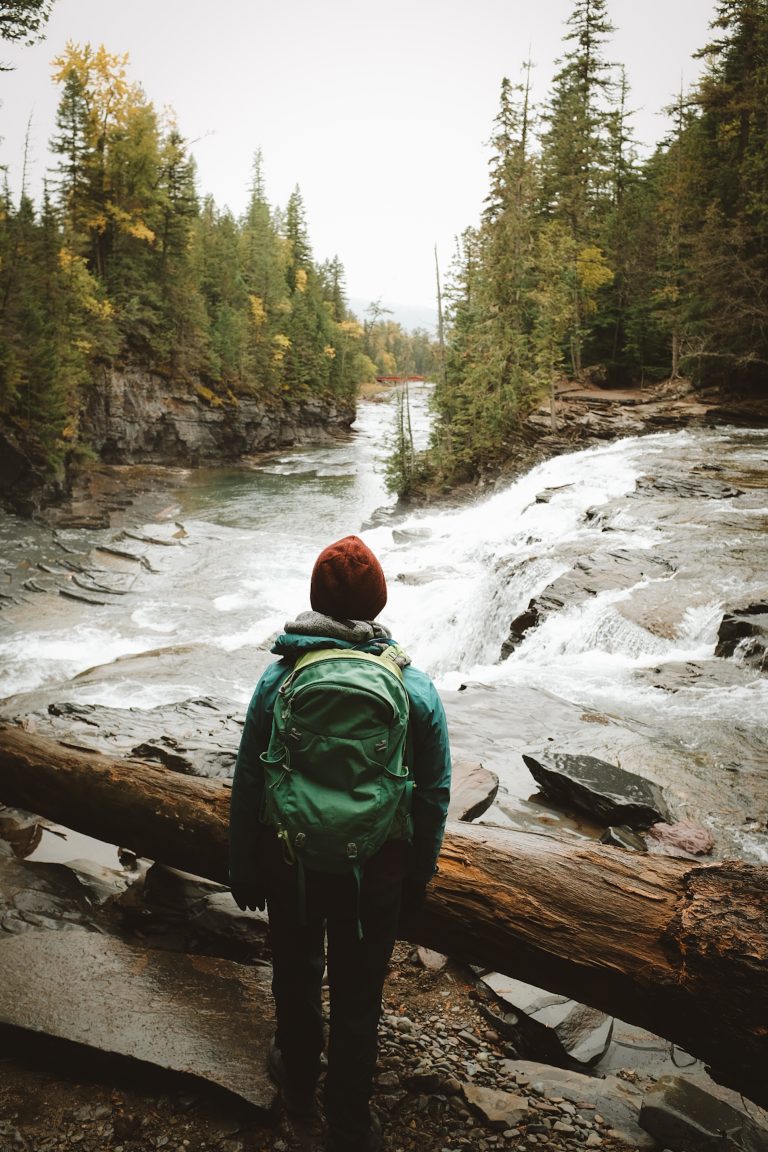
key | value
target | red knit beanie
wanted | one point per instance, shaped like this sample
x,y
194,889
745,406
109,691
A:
x,y
348,582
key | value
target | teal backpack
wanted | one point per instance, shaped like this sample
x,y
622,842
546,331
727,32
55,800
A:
x,y
336,783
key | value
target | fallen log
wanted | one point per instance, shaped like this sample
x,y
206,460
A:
x,y
678,948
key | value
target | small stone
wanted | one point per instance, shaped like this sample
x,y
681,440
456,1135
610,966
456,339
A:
x,y
432,961
499,1109
593,1140
563,1126
388,1080
424,1081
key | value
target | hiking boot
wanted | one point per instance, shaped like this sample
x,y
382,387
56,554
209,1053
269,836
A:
x,y
298,1103
370,1142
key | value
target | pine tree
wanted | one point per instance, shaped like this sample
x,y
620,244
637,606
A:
x,y
23,22
182,320
262,262
576,152
728,301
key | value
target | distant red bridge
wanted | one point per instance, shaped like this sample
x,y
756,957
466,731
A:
x,y
397,379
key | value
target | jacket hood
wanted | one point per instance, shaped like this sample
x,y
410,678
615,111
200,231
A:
x,y
293,645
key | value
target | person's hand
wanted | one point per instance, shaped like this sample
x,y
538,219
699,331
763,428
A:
x,y
249,896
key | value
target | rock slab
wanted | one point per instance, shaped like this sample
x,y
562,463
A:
x,y
605,791
575,1031
685,1113
193,1014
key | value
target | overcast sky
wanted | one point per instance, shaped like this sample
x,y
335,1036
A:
x,y
379,112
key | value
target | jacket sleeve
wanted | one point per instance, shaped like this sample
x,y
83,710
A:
x,y
245,827
430,757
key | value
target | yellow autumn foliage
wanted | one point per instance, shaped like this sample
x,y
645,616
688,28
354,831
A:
x,y
258,311
282,344
301,279
75,268
140,230
593,273
329,351
102,75
208,396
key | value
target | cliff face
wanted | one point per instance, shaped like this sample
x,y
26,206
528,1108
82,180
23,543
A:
x,y
134,416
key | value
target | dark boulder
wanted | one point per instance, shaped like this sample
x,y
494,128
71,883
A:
x,y
607,792
744,631
519,627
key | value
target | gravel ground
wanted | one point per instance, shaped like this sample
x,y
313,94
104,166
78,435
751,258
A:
x,y
435,1039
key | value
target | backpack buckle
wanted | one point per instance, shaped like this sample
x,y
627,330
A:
x,y
352,850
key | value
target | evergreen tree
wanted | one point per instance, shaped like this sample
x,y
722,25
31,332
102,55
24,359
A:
x,y
262,261
728,197
576,151
182,318
23,22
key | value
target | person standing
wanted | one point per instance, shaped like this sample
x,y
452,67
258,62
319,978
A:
x,y
356,911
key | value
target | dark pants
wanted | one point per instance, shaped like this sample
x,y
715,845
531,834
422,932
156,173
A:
x,y
357,967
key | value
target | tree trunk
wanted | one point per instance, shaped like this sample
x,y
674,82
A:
x,y
552,405
677,947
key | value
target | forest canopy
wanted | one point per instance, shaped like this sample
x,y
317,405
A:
x,y
588,260
124,262
591,263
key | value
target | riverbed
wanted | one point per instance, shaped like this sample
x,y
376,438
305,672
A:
x,y
655,537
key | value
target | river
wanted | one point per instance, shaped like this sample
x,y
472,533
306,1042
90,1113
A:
x,y
624,670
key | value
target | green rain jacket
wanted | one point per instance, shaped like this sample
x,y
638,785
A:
x,y
428,756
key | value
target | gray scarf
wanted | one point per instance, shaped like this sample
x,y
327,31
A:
x,y
353,631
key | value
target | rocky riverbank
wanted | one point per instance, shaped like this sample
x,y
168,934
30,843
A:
x,y
134,416
447,1079
137,423
586,415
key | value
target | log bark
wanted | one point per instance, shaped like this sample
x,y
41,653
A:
x,y
678,948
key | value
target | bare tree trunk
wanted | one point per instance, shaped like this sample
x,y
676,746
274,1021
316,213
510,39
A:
x,y
552,405
440,320
679,948
675,352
